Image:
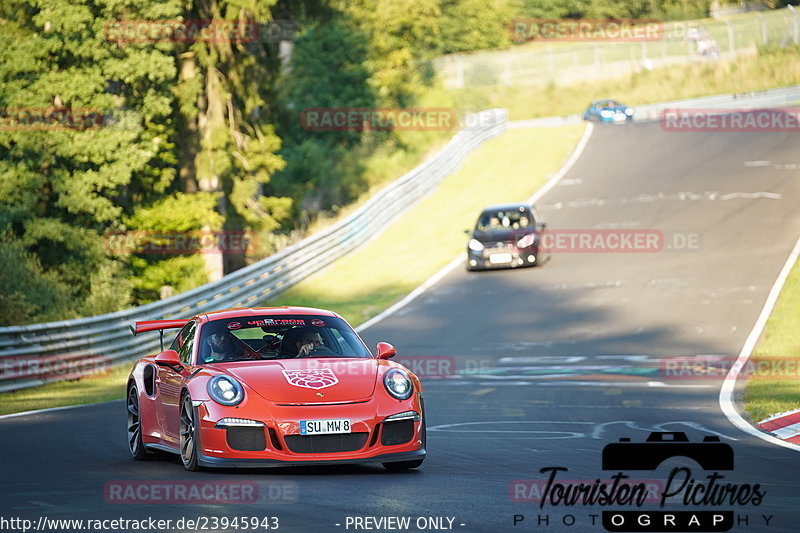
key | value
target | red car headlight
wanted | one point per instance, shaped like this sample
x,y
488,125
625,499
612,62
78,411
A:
x,y
225,390
398,384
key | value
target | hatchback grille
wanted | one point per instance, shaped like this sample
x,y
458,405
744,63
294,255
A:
x,y
345,442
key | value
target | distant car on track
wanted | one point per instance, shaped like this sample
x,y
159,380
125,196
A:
x,y
608,110
258,387
507,235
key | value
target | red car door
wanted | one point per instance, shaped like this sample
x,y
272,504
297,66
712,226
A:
x,y
168,387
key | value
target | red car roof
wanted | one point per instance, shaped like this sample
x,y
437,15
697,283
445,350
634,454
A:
x,y
258,311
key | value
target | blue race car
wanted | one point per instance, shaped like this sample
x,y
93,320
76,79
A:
x,y
608,111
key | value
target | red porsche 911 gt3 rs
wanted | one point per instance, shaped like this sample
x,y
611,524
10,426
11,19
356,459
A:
x,y
258,387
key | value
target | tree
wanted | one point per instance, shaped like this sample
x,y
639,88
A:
x,y
64,184
474,25
230,147
327,71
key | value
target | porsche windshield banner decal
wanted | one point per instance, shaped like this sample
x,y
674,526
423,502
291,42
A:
x,y
311,379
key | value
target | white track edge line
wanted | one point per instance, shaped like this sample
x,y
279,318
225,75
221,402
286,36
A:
x,y
726,400
51,409
566,167
430,282
408,298
419,290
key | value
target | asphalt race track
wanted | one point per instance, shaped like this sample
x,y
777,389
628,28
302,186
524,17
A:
x,y
533,368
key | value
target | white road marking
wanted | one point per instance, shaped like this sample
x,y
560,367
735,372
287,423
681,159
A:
x,y
779,415
433,280
755,164
52,409
617,225
573,158
612,284
787,432
544,359
670,283
649,198
598,202
750,195
517,382
597,431
726,401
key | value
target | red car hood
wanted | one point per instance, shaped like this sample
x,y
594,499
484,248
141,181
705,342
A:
x,y
307,380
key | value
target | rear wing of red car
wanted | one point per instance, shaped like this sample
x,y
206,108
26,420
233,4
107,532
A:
x,y
156,325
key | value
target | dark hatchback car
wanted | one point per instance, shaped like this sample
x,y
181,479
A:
x,y
506,236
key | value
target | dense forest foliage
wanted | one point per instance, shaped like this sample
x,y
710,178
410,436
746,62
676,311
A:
x,y
204,134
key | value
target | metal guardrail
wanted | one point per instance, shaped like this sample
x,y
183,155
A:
x,y
35,354
773,98
39,353
783,97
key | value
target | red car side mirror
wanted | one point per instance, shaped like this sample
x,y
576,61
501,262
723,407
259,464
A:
x,y
385,350
168,358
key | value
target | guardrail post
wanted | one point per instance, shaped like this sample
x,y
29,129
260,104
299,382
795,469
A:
x,y
459,72
795,29
33,354
761,24
731,39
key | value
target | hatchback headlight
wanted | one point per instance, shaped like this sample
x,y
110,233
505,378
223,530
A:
x,y
526,241
398,384
225,390
475,245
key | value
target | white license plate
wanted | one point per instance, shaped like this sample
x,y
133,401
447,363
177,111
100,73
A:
x,y
499,258
320,427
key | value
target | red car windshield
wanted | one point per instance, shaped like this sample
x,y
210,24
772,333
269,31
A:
x,y
278,337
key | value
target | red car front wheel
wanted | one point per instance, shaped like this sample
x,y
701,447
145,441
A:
x,y
188,431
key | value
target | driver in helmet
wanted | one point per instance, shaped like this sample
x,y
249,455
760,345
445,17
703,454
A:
x,y
222,348
308,341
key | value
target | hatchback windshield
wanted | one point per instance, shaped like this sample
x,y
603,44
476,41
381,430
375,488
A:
x,y
278,337
504,220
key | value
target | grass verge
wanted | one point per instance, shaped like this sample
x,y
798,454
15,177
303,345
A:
x,y
390,272
427,237
91,389
772,392
507,168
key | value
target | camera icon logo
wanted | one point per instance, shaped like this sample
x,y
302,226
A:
x,y
711,454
